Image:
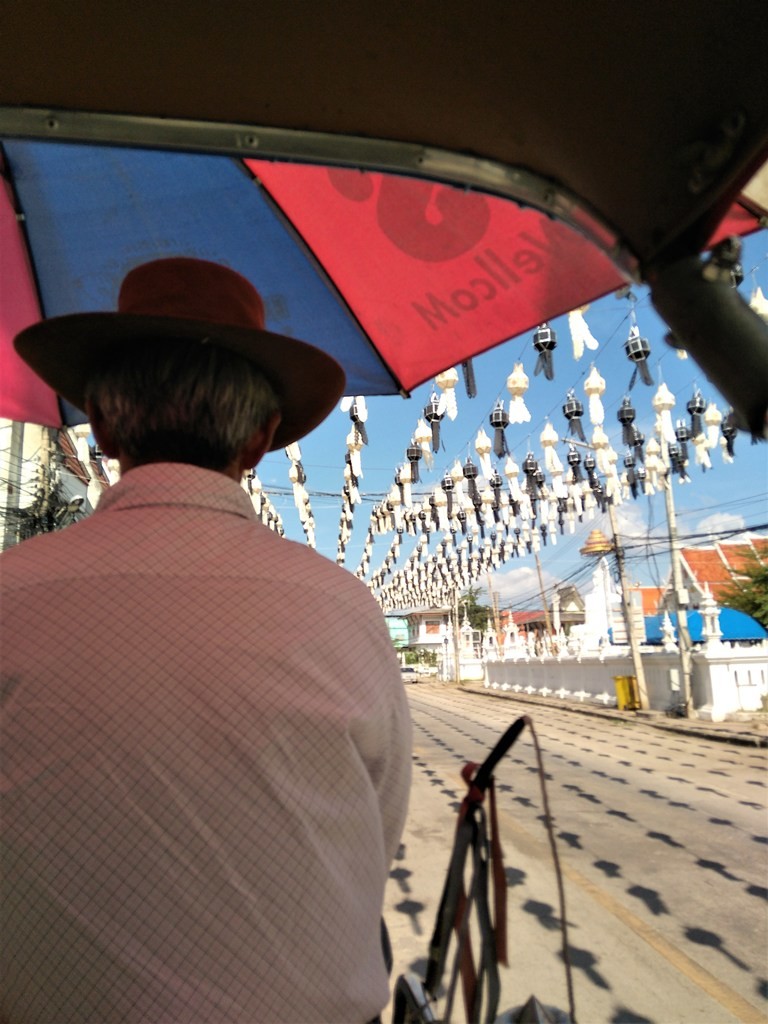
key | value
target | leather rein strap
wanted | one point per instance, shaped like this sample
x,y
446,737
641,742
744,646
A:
x,y
480,984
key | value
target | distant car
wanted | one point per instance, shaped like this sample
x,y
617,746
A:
x,y
409,674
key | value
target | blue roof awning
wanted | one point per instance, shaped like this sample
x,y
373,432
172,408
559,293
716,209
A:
x,y
734,625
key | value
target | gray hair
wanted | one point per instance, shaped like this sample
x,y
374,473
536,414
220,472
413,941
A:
x,y
168,400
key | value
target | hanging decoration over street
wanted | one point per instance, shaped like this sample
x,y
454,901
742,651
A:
x,y
545,343
262,504
444,522
517,385
298,478
433,414
594,387
481,514
499,420
728,440
422,436
468,371
447,382
573,410
626,416
483,447
664,402
638,349
581,336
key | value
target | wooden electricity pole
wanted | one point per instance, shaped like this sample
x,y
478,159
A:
x,y
547,620
637,660
495,611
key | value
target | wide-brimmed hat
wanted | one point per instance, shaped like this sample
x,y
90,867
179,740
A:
x,y
196,300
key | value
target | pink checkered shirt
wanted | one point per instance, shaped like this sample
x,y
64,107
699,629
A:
x,y
205,768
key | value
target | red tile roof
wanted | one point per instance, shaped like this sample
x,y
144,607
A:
x,y
714,566
521,618
740,555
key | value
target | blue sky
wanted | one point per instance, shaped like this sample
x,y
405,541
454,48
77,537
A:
x,y
727,497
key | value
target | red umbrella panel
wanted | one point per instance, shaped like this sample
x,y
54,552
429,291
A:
x,y
435,274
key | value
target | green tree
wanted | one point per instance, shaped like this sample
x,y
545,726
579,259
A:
x,y
478,614
748,591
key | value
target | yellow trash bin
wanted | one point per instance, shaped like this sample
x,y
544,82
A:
x,y
627,698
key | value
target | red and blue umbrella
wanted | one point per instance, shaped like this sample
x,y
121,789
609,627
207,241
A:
x,y
431,180
397,278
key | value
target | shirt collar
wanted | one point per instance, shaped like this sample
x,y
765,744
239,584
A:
x,y
176,483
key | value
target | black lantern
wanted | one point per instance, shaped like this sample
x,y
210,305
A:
x,y
729,432
683,435
448,486
433,414
626,417
469,470
413,453
545,342
629,465
574,461
530,468
638,440
499,420
638,349
696,407
677,462
468,373
496,484
573,410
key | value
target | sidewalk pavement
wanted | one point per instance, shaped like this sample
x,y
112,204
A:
x,y
746,729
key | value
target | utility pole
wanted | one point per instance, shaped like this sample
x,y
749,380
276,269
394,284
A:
x,y
637,660
456,639
547,621
495,611
634,646
679,597
13,485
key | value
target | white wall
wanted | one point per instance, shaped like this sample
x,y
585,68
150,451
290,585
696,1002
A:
x,y
725,679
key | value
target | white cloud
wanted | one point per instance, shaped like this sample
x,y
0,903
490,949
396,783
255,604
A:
x,y
521,585
720,522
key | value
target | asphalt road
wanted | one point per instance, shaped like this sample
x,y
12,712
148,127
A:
x,y
664,847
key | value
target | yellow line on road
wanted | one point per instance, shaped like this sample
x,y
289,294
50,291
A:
x,y
723,994
728,998
735,1004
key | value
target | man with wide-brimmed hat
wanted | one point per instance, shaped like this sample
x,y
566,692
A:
x,y
206,743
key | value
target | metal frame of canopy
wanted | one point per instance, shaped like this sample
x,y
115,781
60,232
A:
x,y
243,141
